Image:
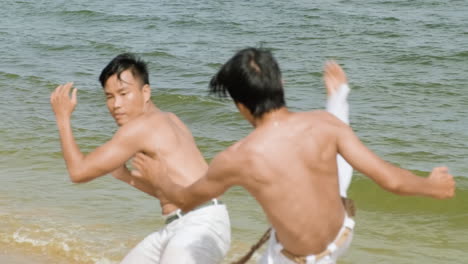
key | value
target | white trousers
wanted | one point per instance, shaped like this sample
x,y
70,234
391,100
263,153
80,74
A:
x,y
273,254
202,236
337,104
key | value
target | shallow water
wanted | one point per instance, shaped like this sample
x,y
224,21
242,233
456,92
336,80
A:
x,y
406,62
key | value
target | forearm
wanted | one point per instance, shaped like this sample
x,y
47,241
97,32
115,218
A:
x,y
71,152
439,184
123,174
173,192
184,197
219,177
405,182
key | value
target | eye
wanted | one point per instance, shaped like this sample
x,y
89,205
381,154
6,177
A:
x,y
108,97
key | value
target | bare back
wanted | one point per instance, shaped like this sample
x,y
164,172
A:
x,y
292,172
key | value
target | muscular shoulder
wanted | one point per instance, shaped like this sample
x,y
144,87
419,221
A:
x,y
246,152
324,120
333,127
317,130
320,115
139,128
236,160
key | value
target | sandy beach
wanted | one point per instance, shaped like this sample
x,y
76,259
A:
x,y
18,257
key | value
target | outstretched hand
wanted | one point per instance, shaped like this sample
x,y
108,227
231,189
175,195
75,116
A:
x,y
148,169
334,77
62,104
443,182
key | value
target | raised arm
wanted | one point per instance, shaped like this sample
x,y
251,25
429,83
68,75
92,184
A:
x,y
440,184
220,176
337,87
104,159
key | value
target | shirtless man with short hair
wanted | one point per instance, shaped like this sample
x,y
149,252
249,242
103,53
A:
x,y
143,128
288,163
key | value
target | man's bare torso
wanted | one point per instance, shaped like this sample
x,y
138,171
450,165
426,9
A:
x,y
170,140
291,170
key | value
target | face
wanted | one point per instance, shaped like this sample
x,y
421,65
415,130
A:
x,y
125,97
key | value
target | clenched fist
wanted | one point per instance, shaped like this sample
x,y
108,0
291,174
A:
x,y
442,182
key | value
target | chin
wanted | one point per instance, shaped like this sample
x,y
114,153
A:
x,y
120,123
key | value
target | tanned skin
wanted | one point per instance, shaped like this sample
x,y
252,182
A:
x,y
143,128
288,163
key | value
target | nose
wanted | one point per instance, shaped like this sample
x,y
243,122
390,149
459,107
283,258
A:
x,y
117,102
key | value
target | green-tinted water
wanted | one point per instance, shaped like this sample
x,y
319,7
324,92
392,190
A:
x,y
407,65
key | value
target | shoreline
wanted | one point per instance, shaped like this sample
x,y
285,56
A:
x,y
16,256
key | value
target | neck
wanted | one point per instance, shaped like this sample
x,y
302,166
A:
x,y
272,117
150,107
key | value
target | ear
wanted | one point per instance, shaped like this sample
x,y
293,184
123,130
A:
x,y
146,92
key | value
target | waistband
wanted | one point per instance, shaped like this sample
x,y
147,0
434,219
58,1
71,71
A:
x,y
345,231
178,213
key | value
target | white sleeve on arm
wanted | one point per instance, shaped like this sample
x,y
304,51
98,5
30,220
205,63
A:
x,y
337,104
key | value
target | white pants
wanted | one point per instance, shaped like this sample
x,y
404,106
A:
x,y
273,254
337,104
201,236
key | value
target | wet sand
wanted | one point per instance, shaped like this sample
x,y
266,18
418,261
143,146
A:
x,y
18,259
13,256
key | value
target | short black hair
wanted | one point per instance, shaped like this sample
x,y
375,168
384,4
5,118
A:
x,y
123,62
251,77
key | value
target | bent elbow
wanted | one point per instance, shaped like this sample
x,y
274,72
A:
x,y
76,177
395,185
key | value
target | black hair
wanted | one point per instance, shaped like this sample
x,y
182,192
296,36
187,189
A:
x,y
123,62
252,77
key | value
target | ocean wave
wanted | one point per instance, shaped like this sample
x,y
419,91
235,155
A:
x,y
57,244
462,54
82,13
391,19
98,16
157,54
8,76
55,46
63,243
383,34
107,46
